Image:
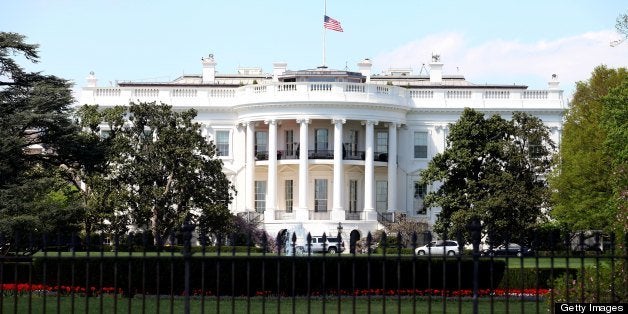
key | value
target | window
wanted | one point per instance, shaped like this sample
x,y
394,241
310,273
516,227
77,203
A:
x,y
290,145
353,196
352,146
420,144
261,142
320,195
260,196
105,134
289,190
535,149
322,140
381,142
420,190
222,143
381,196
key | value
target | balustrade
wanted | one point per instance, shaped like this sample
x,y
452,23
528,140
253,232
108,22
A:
x,y
535,94
359,92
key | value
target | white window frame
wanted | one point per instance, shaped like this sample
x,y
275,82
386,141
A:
x,y
415,139
219,152
260,196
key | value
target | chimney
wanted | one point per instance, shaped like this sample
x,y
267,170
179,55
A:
x,y
209,69
553,84
279,68
436,70
91,80
365,68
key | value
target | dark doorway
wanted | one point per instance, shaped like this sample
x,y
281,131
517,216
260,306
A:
x,y
354,237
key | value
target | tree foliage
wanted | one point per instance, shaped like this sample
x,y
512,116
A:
x,y
163,170
36,136
615,124
584,180
34,112
492,170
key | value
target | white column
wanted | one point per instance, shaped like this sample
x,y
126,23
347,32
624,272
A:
x,y
271,199
302,211
338,212
392,167
249,192
369,172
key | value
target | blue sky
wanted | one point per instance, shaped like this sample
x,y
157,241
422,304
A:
x,y
522,42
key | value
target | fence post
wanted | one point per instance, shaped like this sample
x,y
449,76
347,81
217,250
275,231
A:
x,y
475,228
187,229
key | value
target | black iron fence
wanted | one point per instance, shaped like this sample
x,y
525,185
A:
x,y
259,274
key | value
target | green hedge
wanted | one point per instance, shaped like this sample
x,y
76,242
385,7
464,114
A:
x,y
531,277
229,275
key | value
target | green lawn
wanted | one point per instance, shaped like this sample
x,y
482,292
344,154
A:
x,y
108,304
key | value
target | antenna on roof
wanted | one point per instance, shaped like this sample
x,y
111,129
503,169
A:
x,y
423,67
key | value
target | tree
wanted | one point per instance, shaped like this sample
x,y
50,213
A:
x,y
36,133
168,171
614,121
581,183
621,25
407,228
492,170
34,113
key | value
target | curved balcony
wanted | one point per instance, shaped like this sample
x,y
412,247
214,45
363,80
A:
x,y
307,92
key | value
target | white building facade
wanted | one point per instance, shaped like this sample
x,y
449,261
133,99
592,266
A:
x,y
317,149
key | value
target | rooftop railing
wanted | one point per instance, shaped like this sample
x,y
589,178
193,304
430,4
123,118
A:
x,y
326,92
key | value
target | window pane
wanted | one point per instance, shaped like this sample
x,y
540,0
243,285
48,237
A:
x,y
420,190
289,195
222,143
260,196
353,196
420,144
261,142
320,195
382,142
321,142
381,196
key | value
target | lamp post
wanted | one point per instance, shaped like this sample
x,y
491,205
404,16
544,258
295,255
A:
x,y
339,228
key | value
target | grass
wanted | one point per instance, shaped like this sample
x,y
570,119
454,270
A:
x,y
151,304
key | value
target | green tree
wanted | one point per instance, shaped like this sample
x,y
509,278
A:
x,y
582,182
621,25
34,113
614,121
167,170
103,195
36,136
492,170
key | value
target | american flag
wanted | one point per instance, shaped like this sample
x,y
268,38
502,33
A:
x,y
332,24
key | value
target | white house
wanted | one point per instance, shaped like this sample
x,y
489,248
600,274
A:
x,y
317,149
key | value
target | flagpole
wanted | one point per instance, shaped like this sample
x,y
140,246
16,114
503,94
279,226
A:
x,y
324,31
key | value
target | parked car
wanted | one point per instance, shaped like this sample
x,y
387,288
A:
x,y
512,249
439,247
332,246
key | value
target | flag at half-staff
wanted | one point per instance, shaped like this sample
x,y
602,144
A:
x,y
332,24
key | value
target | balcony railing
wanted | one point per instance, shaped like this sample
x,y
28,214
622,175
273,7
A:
x,y
314,215
284,215
329,92
385,217
320,154
353,215
252,216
